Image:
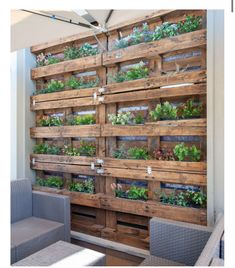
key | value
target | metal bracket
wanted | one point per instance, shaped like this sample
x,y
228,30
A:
x,y
94,95
101,90
118,55
34,102
149,170
33,161
101,99
92,165
100,161
100,171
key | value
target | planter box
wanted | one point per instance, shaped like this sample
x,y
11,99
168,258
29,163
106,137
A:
x,y
155,209
151,49
65,131
80,64
189,127
64,99
156,82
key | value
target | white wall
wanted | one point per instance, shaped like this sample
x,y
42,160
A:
x,y
22,118
215,113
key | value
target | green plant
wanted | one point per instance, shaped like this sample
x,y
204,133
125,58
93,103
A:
x,y
164,111
138,193
52,86
197,198
49,121
183,152
46,59
71,53
71,151
88,119
53,60
44,148
87,186
75,83
189,109
191,23
120,153
137,72
164,30
138,153
138,119
50,181
87,149
87,50
121,118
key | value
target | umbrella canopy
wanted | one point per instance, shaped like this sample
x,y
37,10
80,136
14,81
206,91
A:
x,y
36,27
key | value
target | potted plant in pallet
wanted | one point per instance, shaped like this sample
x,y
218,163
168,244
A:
x,y
52,184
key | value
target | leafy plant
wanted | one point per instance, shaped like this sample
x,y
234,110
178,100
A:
x,y
183,152
164,111
87,149
47,59
164,30
85,50
45,148
189,109
120,153
134,193
75,83
121,118
191,23
53,60
50,181
88,119
137,72
49,121
138,119
164,154
187,198
52,86
138,153
87,186
71,151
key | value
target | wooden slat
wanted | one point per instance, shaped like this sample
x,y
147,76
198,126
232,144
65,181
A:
x,y
155,209
161,176
161,128
156,93
80,64
156,82
65,131
151,49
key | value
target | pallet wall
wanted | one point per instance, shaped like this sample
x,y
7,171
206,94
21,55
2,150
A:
x,y
171,61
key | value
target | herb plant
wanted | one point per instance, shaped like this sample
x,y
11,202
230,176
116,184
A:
x,y
75,83
52,86
164,154
45,148
164,111
87,186
47,59
190,24
49,121
183,152
71,151
121,118
85,50
88,119
71,53
87,149
138,119
138,153
164,30
50,181
189,109
120,153
137,72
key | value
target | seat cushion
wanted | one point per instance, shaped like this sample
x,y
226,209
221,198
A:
x,y
32,234
21,200
156,261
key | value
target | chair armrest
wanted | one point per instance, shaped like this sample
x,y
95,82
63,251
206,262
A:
x,y
177,241
53,207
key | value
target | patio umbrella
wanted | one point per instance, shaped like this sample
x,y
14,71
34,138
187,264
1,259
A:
x,y
32,27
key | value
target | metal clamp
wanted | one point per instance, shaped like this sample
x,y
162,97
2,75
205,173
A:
x,y
149,170
94,95
101,99
100,161
101,90
33,161
100,171
92,165
34,102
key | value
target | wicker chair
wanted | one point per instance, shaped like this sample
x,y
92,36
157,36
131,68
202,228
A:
x,y
175,243
37,219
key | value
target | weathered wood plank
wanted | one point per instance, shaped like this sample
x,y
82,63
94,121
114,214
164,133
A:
x,y
156,93
147,50
156,82
155,209
65,131
67,66
159,175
